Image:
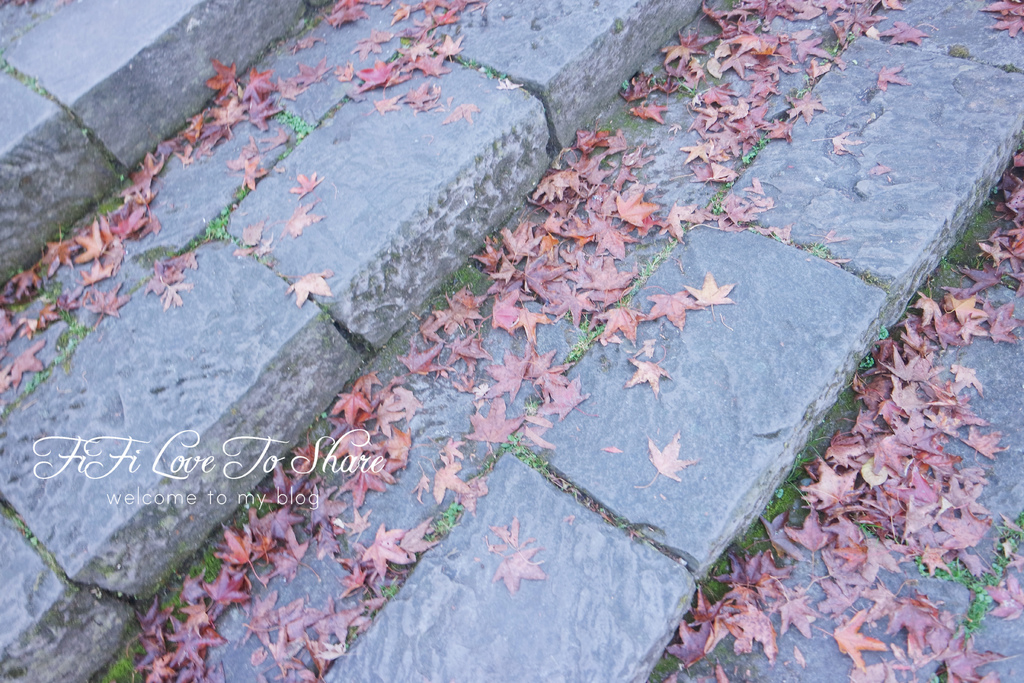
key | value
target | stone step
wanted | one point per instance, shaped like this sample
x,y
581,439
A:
x,y
52,632
747,384
49,173
604,610
238,359
573,56
130,74
405,198
944,140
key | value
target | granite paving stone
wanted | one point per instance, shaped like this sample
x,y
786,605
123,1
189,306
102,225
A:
x,y
405,198
573,55
133,72
746,387
605,610
944,139
238,359
960,29
52,633
49,173
16,19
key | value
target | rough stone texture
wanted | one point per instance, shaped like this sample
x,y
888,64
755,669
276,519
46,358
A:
x,y
573,55
405,198
824,661
945,138
605,611
134,71
49,174
238,359
17,19
51,633
745,390
960,29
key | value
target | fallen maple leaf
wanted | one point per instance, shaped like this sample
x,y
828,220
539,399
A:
x,y
301,219
634,210
888,75
649,372
710,294
463,111
667,461
851,642
312,283
306,185
840,143
651,112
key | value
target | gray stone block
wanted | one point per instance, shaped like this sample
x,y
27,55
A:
x,y
746,388
945,138
52,633
959,28
237,360
572,54
405,198
16,19
49,174
133,72
604,612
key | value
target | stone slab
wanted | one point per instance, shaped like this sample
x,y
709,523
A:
x,y
946,139
16,19
49,174
52,633
960,29
604,612
238,359
405,198
746,388
133,72
573,55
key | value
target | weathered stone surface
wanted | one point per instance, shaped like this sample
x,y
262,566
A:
x,y
573,55
822,659
960,29
237,360
134,71
51,633
945,138
16,19
745,390
49,174
405,198
604,612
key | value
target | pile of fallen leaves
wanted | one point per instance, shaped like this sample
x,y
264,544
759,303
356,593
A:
x,y
887,493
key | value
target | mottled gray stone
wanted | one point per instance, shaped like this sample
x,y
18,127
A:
x,y
238,359
946,138
49,174
52,633
823,660
405,198
17,19
746,387
605,611
134,71
960,29
573,55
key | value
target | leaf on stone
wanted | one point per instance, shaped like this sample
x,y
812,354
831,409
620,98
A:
x,y
842,141
888,76
463,111
301,219
306,185
494,428
447,479
673,307
26,362
634,210
312,283
414,541
651,112
986,444
648,372
902,32
852,642
385,548
805,106
384,105
710,294
667,461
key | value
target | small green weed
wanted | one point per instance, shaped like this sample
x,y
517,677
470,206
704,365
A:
x,y
298,124
749,157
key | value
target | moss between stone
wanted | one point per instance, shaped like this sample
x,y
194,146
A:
x,y
965,253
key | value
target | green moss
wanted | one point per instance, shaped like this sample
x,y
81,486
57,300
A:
x,y
467,276
964,254
123,670
299,125
959,51
665,667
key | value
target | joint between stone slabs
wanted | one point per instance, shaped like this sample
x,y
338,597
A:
x,y
356,341
48,558
32,83
561,482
